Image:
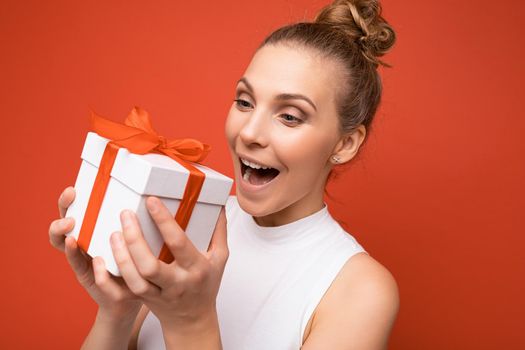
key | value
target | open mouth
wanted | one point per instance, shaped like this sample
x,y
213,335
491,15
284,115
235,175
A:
x,y
257,174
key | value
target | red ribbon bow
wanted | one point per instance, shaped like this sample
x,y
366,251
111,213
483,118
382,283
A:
x,y
138,136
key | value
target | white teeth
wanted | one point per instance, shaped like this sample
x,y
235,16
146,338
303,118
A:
x,y
254,165
247,173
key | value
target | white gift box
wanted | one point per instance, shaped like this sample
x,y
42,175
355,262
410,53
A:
x,y
133,178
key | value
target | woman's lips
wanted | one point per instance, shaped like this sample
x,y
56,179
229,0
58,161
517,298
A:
x,y
254,179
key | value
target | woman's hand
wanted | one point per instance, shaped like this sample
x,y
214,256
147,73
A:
x,y
181,294
116,302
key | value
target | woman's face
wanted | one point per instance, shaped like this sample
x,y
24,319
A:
x,y
268,127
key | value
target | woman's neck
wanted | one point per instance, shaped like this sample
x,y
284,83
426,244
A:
x,y
311,203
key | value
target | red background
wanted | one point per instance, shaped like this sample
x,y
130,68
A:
x,y
437,195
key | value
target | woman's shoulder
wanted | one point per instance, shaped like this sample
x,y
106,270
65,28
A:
x,y
363,274
363,299
365,281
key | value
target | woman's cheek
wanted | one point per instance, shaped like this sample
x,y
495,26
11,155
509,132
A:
x,y
309,158
301,149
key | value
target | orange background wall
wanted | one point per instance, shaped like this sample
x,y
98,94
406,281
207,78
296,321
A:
x,y
437,195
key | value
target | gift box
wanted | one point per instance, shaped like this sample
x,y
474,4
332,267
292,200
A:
x,y
113,178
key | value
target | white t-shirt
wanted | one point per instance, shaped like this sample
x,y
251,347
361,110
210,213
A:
x,y
273,280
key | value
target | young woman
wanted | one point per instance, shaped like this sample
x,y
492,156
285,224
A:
x,y
286,275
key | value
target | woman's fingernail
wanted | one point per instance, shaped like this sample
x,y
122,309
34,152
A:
x,y
116,239
126,218
153,204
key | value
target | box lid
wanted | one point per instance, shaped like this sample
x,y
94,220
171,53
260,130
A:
x,y
156,174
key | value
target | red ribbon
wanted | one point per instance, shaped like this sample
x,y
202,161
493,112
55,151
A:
x,y
138,136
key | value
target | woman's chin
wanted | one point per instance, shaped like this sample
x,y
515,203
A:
x,y
254,208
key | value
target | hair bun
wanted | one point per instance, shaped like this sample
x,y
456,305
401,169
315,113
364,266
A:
x,y
361,20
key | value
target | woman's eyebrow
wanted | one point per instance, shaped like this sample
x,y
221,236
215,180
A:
x,y
283,96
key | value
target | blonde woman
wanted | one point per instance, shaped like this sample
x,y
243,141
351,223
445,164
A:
x,y
280,272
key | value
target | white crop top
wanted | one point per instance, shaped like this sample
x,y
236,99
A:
x,y
273,280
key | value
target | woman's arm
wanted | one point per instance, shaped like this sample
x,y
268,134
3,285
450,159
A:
x,y
202,335
108,333
359,309
133,342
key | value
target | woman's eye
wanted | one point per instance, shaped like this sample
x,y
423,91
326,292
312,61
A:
x,y
239,103
291,119
288,118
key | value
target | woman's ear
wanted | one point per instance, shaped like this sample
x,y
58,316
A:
x,y
348,146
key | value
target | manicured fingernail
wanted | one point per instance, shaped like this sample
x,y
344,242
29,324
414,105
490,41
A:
x,y
116,239
153,204
126,218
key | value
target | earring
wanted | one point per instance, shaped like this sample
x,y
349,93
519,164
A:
x,y
335,159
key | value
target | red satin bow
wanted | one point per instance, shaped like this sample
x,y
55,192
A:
x,y
138,136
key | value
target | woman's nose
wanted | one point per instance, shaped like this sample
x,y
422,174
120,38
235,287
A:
x,y
254,131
